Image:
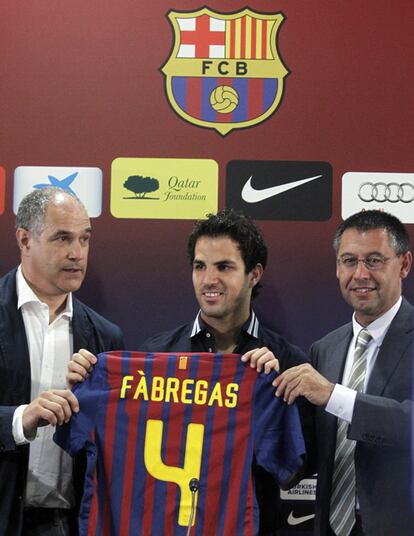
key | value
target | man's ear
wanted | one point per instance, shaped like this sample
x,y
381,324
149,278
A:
x,y
255,275
407,261
23,237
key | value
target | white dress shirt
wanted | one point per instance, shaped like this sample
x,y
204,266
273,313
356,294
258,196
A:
x,y
342,400
49,481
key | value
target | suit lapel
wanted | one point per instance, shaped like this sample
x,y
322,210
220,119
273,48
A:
x,y
335,362
333,367
14,351
398,337
13,343
82,329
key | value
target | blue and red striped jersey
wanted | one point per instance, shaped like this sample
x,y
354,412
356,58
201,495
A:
x,y
151,422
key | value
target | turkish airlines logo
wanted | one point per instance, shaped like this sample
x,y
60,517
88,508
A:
x,y
391,192
280,190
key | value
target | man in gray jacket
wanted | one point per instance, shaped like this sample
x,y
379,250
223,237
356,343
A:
x,y
360,382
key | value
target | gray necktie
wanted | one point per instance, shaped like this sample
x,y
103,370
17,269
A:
x,y
342,512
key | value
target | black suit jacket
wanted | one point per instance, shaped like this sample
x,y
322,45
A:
x,y
381,425
90,331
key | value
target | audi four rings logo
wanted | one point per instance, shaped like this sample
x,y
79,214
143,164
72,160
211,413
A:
x,y
391,192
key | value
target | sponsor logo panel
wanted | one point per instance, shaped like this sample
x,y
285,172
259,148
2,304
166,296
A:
x,y
390,192
2,189
280,190
224,70
304,491
164,188
84,182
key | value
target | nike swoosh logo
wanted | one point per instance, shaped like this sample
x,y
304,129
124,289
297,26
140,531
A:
x,y
292,520
251,195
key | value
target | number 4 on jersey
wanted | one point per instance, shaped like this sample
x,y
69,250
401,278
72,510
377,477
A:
x,y
178,475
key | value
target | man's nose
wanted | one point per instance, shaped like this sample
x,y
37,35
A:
x,y
76,250
361,271
210,275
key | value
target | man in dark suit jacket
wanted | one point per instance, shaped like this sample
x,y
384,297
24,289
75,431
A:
x,y
373,258
53,232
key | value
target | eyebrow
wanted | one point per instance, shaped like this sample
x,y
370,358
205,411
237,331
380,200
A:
x,y
222,261
225,261
63,232
366,255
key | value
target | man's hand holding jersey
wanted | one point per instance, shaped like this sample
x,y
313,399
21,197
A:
x,y
303,380
79,367
261,359
53,407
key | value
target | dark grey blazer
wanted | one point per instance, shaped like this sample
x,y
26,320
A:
x,y
90,331
381,425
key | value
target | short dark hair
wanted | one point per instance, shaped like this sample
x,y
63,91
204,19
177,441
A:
x,y
239,228
367,220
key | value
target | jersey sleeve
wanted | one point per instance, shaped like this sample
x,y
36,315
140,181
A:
x,y
73,435
279,443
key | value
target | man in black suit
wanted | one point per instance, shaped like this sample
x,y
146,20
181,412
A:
x,y
362,389
41,325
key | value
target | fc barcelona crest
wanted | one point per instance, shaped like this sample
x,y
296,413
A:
x,y
224,70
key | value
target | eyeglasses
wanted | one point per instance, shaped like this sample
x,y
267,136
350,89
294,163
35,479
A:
x,y
372,262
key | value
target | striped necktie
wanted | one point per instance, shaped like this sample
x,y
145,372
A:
x,y
342,511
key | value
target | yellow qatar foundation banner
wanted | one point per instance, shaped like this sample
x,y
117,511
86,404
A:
x,y
159,188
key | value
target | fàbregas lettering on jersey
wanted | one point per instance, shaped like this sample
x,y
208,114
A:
x,y
178,391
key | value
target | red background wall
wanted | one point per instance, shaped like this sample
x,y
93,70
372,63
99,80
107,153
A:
x,y
80,85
